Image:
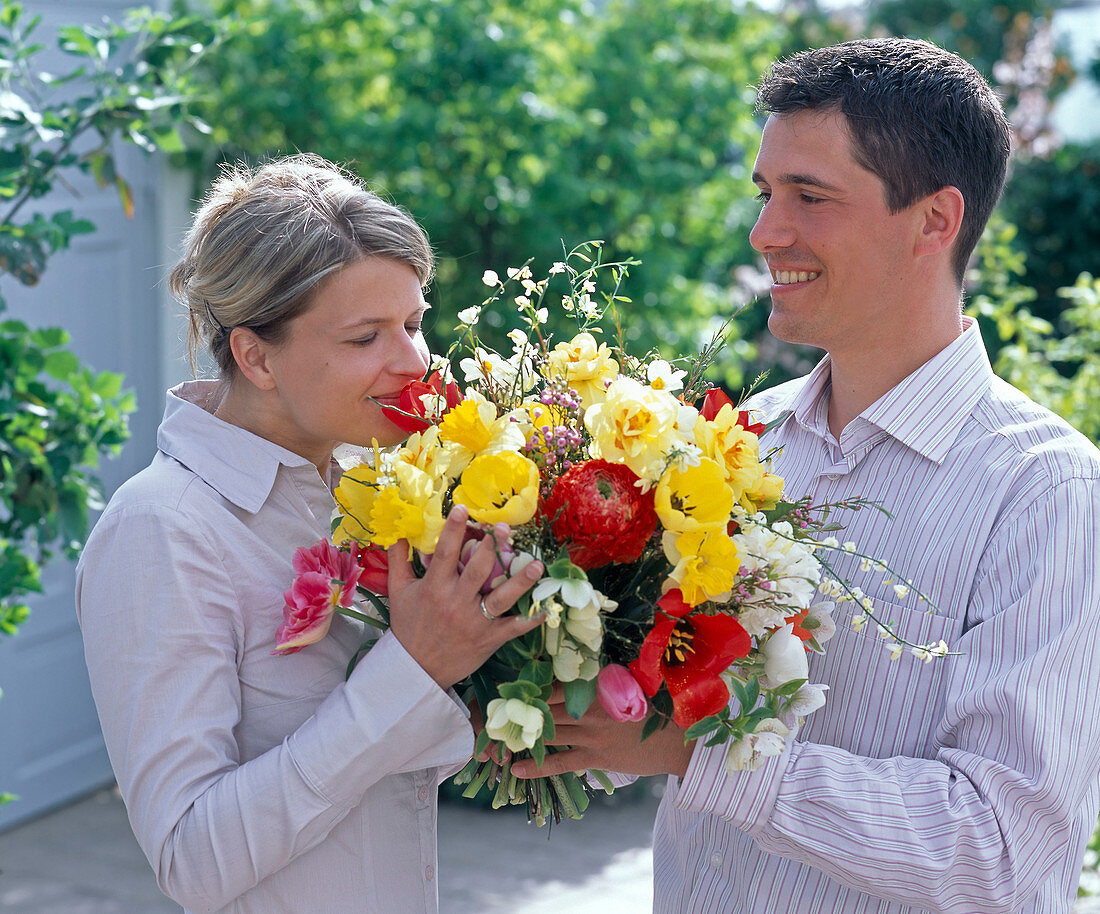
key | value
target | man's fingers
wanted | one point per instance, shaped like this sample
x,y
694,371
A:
x,y
556,763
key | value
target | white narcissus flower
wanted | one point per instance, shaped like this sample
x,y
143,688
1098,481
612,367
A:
x,y
662,376
784,657
517,724
769,739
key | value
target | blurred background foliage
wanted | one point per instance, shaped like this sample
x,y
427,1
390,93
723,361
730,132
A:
x,y
507,129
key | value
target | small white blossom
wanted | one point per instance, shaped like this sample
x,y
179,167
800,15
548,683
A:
x,y
490,278
662,376
896,649
830,542
921,653
901,590
849,546
558,267
858,621
470,316
522,301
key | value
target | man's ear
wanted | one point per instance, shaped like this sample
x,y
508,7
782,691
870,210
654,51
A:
x,y
942,214
251,355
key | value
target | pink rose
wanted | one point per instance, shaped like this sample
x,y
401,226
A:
x,y
619,693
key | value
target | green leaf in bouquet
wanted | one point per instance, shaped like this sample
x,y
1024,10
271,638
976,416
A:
x,y
579,695
788,689
525,691
746,693
540,672
482,742
703,727
539,752
720,736
653,723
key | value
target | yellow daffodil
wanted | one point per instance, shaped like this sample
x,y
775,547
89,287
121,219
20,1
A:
x,y
694,498
425,451
355,497
736,450
473,428
764,495
705,563
499,487
586,366
634,425
411,510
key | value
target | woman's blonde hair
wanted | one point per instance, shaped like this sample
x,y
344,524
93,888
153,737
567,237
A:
x,y
264,240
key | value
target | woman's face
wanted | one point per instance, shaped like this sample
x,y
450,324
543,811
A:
x,y
360,342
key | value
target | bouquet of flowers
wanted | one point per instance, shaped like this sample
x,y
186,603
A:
x,y
679,585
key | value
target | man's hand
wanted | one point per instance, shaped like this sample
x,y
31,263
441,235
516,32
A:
x,y
599,741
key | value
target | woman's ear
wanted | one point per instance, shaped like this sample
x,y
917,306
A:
x,y
942,219
252,357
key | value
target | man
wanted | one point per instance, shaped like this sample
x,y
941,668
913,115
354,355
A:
x,y
969,784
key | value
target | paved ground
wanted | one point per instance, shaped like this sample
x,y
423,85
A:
x,y
83,860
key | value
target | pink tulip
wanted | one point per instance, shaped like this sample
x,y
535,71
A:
x,y
338,564
619,693
307,615
325,579
502,563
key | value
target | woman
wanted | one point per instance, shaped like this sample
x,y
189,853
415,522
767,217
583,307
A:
x,y
257,783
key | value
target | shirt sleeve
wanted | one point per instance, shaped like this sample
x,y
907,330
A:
x,y
159,618
981,823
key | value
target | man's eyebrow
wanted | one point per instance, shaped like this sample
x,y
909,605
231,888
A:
x,y
795,178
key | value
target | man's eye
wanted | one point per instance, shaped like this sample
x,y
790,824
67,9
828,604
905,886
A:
x,y
762,197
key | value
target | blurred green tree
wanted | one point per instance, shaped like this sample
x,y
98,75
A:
x,y
58,416
508,129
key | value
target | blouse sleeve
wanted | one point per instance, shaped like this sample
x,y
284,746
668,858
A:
x,y
158,613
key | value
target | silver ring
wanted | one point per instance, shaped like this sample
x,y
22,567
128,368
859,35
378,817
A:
x,y
485,612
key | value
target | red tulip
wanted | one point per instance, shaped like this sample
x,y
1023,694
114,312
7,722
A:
x,y
412,414
687,651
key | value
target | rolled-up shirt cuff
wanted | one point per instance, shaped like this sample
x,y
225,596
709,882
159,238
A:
x,y
745,799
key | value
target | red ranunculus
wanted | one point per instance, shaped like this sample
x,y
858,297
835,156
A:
x,y
411,414
713,401
687,651
597,511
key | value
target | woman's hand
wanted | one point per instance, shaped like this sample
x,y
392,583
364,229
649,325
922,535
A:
x,y
441,618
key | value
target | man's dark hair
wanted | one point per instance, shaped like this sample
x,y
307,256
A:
x,y
921,118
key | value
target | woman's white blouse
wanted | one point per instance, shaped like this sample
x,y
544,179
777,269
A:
x,y
254,783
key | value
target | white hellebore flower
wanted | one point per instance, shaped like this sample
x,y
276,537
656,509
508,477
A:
x,y
517,724
806,700
784,657
769,739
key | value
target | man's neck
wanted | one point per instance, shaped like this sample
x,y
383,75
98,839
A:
x,y
862,375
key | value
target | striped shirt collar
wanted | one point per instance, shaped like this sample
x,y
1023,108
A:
x,y
238,465
924,411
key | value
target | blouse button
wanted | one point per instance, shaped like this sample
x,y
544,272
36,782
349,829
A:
x,y
429,873
716,860
422,794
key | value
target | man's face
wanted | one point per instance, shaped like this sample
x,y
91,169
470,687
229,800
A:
x,y
838,257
